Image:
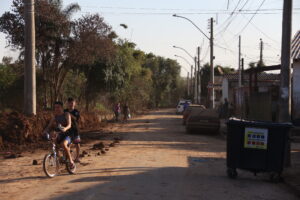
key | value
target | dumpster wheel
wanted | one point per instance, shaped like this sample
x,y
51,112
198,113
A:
x,y
232,173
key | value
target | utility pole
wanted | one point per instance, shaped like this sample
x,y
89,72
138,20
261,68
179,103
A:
x,y
285,78
242,74
188,84
199,75
212,73
239,63
29,68
191,86
196,82
261,53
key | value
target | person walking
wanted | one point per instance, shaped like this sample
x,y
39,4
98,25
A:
x,y
126,112
117,111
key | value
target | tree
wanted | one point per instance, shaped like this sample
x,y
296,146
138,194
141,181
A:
x,y
53,28
91,51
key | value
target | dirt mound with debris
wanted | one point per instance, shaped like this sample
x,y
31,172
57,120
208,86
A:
x,y
18,130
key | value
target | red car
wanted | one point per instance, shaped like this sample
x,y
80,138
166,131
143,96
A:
x,y
205,120
189,110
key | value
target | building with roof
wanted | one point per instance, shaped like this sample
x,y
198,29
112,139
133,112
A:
x,y
295,55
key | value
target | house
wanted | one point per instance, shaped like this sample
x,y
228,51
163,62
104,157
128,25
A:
x,y
295,54
258,96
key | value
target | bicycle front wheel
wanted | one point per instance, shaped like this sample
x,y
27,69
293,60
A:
x,y
50,165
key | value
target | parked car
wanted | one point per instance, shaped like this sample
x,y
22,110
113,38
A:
x,y
180,106
189,110
203,120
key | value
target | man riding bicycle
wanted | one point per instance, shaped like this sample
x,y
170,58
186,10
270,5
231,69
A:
x,y
62,120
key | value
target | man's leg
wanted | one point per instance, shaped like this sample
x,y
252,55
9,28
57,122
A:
x,y
77,151
67,150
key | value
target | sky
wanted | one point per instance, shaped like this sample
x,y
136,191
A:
x,y
153,28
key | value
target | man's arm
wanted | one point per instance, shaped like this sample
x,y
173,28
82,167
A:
x,y
49,125
68,117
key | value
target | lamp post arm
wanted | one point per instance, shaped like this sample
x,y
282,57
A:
x,y
193,24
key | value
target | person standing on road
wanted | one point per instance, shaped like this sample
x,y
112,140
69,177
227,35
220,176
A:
x,y
185,105
117,111
75,116
226,109
126,112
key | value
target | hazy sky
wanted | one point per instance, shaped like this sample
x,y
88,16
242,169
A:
x,y
152,27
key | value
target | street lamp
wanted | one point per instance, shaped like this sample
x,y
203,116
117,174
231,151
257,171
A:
x,y
197,80
183,59
191,85
176,47
212,97
175,15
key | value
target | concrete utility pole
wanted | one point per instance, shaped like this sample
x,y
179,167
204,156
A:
x,y
29,68
196,82
212,73
192,83
239,63
261,53
199,75
188,84
285,78
242,71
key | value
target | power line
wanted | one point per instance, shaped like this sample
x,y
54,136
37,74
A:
x,y
186,9
185,13
229,17
262,3
262,32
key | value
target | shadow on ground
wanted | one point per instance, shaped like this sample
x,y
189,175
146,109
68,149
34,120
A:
x,y
202,179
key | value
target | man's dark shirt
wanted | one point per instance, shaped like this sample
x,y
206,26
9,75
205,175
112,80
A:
x,y
76,114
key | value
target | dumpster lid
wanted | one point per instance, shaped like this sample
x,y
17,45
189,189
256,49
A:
x,y
236,121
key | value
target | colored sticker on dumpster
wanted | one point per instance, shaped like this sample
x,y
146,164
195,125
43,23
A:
x,y
256,138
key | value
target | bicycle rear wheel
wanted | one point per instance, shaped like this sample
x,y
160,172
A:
x,y
69,169
50,165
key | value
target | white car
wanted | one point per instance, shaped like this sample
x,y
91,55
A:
x,y
180,106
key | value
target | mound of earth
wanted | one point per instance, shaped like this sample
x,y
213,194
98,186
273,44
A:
x,y
18,130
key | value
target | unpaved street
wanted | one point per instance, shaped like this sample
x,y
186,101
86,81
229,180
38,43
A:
x,y
155,160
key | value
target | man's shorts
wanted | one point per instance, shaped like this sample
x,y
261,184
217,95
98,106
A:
x,y
62,137
76,139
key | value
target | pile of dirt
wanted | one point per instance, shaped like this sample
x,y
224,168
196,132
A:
x,y
18,130
89,121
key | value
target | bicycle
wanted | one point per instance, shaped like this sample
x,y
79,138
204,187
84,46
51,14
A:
x,y
56,158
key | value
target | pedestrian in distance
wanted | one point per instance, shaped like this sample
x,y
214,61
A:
x,y
117,111
126,112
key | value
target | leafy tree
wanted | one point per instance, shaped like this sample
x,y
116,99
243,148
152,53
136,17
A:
x,y
53,28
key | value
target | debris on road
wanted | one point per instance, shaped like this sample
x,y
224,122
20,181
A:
x,y
112,144
99,145
35,162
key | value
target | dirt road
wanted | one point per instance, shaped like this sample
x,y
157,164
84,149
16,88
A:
x,y
156,160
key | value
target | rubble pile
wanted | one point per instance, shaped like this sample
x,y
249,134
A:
x,y
17,129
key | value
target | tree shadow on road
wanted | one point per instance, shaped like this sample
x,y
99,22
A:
x,y
204,178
